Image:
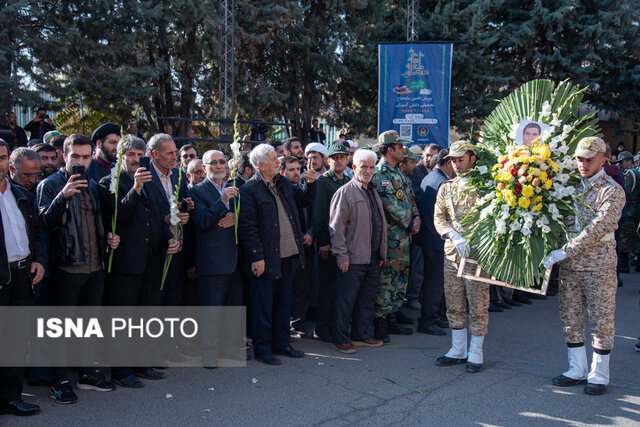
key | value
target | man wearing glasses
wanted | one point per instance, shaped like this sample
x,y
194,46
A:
x,y
188,153
24,168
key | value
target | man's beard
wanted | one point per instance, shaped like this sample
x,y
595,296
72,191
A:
x,y
108,157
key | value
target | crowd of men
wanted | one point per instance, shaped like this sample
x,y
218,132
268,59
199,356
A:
x,y
345,238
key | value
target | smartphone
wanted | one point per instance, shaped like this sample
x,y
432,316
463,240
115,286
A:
x,y
145,162
78,170
184,206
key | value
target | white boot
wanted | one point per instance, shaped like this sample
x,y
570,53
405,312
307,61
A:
x,y
458,348
599,369
475,350
578,364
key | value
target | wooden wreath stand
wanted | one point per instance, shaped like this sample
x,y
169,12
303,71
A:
x,y
477,276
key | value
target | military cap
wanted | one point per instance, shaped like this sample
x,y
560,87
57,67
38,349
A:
x,y
337,148
49,136
623,155
391,137
408,154
103,130
590,146
459,148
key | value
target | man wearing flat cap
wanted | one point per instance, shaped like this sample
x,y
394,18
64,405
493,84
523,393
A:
x,y
588,270
454,201
105,138
629,241
403,220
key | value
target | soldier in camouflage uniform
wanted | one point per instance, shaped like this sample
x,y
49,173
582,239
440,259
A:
x,y
629,241
454,200
403,220
588,271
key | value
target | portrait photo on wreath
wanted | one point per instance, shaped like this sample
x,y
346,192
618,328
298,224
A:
x,y
528,131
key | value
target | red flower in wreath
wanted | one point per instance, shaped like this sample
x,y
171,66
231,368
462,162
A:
x,y
517,188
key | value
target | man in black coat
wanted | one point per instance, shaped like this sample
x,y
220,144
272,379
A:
x,y
271,235
40,125
20,257
15,135
137,263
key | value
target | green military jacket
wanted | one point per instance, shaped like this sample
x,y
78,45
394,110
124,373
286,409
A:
x,y
396,193
327,186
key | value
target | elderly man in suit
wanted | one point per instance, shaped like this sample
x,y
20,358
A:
x,y
216,251
164,174
271,235
137,263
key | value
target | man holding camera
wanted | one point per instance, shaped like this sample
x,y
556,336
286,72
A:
x,y
40,124
70,209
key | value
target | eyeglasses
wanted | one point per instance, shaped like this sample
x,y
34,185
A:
x,y
32,175
220,162
188,156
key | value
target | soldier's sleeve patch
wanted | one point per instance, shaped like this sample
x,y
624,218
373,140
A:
x,y
385,183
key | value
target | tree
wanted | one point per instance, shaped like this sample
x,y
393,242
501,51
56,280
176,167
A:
x,y
289,59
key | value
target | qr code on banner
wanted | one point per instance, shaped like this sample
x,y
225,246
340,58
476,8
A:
x,y
406,131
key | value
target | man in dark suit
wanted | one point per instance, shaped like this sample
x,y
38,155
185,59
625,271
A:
x,y
432,247
137,263
40,125
423,167
270,232
20,255
16,136
216,251
164,175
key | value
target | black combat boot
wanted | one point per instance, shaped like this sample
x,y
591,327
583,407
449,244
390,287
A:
x,y
395,328
380,329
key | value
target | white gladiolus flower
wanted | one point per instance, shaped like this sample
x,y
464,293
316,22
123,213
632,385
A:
x,y
545,229
235,148
555,122
114,176
546,110
501,227
483,169
546,134
515,226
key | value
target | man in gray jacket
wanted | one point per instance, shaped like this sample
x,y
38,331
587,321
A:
x,y
359,242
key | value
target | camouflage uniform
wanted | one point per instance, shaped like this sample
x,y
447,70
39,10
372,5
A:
x,y
629,241
455,198
400,209
588,276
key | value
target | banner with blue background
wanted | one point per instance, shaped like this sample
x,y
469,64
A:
x,y
413,91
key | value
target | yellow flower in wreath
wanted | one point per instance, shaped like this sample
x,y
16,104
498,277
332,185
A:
x,y
523,202
547,185
527,191
543,177
554,165
509,197
537,207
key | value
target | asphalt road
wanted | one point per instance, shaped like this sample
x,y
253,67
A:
x,y
398,384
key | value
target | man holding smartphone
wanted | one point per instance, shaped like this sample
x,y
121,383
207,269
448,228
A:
x,y
40,124
70,209
137,263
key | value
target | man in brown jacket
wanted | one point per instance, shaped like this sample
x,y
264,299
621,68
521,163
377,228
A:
x,y
359,242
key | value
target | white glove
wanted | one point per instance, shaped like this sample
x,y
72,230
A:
x,y
554,257
460,243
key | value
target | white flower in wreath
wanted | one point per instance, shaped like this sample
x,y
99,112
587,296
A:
x,y
555,122
555,213
563,149
515,225
546,110
546,134
483,169
545,229
514,131
501,227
